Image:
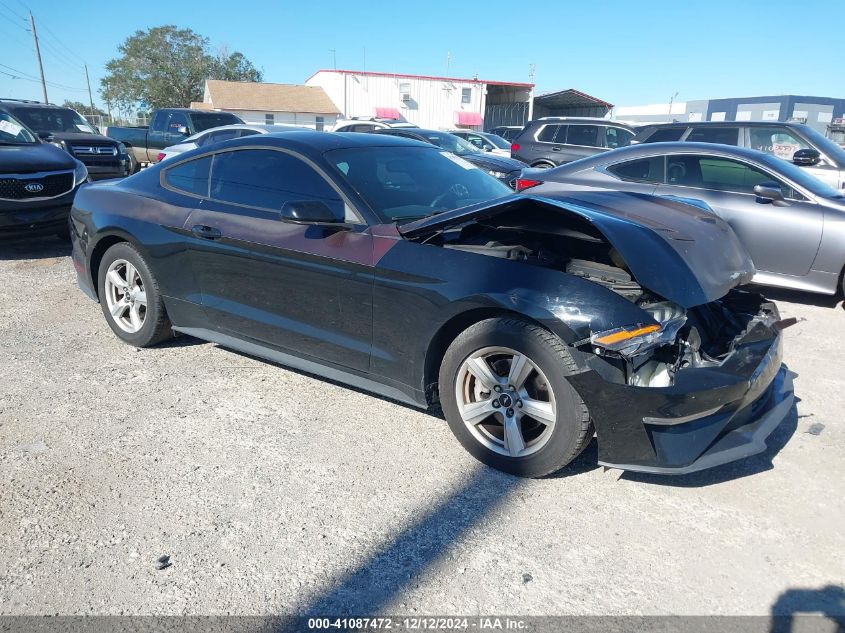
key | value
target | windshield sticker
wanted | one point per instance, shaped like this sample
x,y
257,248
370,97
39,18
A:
x,y
458,160
83,128
10,128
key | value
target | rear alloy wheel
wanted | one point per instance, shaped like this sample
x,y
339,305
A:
x,y
503,388
130,297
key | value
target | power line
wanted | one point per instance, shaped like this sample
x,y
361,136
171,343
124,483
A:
x,y
12,11
19,74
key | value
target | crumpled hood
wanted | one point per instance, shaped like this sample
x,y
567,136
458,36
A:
x,y
676,250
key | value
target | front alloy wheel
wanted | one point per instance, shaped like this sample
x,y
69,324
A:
x,y
504,390
505,401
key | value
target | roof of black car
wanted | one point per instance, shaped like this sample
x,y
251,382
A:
x,y
313,141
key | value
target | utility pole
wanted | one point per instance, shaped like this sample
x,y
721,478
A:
x,y
38,55
90,98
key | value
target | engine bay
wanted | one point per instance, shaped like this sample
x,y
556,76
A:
x,y
702,336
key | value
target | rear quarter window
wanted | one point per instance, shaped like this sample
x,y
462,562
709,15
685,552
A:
x,y
552,134
190,177
641,170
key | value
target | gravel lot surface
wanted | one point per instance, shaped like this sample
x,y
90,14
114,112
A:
x,y
275,492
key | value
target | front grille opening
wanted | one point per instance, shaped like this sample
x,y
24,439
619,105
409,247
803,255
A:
x,y
23,187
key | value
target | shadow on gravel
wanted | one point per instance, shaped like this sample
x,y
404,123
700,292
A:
x,y
401,562
434,412
797,296
735,470
34,248
795,605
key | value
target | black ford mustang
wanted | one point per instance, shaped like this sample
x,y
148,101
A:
x,y
393,266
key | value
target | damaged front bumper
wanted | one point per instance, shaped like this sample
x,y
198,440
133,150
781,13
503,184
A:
x,y
709,416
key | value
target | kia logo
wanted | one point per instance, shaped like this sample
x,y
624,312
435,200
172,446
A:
x,y
34,187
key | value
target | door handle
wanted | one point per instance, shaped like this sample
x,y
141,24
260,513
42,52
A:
x,y
206,232
556,149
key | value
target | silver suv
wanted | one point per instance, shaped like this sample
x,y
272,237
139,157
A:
x,y
794,142
553,141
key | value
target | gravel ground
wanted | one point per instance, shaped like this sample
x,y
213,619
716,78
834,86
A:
x,y
274,492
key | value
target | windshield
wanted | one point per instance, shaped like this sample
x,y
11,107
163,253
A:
x,y
54,120
13,133
403,183
213,119
826,146
498,141
450,142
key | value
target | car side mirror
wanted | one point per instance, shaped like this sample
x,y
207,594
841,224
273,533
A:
x,y
806,157
182,130
769,192
308,212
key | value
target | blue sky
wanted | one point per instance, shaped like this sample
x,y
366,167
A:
x,y
625,53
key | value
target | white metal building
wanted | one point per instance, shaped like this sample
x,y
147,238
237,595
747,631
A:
x,y
430,102
271,103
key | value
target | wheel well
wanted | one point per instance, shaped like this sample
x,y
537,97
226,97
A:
x,y
543,162
447,333
97,256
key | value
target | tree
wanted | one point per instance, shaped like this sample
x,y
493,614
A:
x,y
166,66
82,108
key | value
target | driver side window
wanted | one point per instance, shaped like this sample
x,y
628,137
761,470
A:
x,y
720,174
266,179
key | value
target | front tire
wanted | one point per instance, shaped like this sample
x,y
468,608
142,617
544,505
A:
x,y
130,297
504,392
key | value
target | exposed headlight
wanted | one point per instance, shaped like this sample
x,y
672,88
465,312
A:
x,y
121,148
80,174
626,339
59,144
497,174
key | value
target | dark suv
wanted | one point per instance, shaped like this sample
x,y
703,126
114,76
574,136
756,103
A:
x,y
553,141
794,142
67,129
37,182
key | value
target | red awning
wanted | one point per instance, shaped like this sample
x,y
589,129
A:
x,y
388,113
469,118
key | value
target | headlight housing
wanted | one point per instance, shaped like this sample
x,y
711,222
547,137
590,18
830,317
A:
x,y
496,174
121,148
80,174
59,144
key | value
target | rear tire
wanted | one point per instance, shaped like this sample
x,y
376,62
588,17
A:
x,y
130,297
504,392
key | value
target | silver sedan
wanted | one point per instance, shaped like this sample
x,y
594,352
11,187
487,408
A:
x,y
791,223
223,133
